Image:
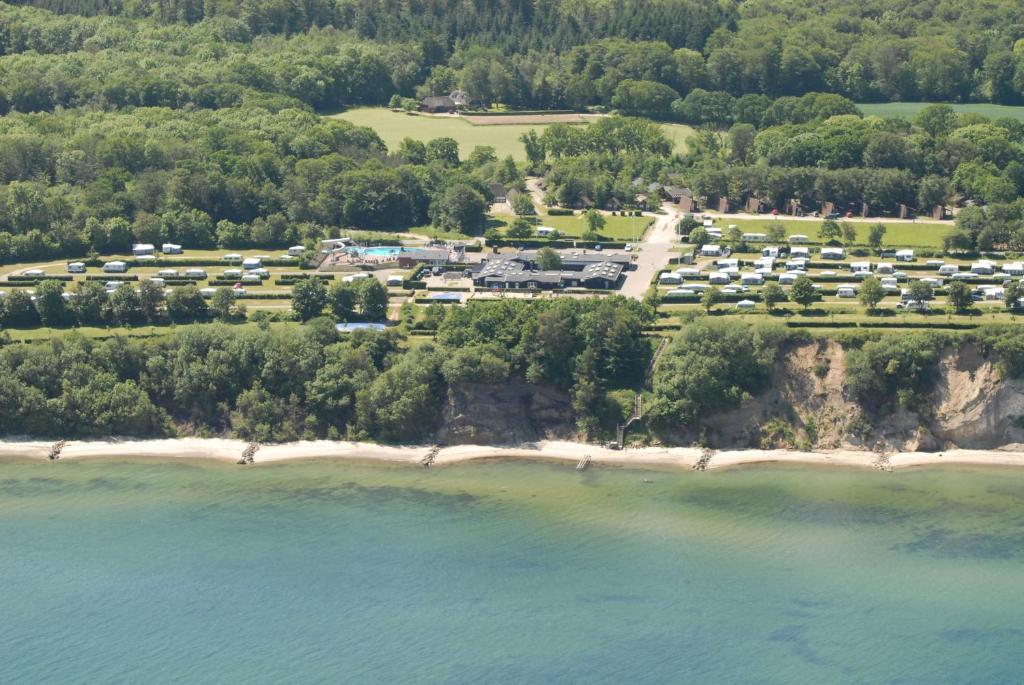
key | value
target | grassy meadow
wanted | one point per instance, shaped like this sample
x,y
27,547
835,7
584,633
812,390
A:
x,y
908,110
392,127
615,228
919,234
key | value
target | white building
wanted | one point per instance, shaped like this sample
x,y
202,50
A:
x,y
719,278
846,291
751,279
670,279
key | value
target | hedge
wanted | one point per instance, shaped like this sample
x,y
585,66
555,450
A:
x,y
23,277
112,277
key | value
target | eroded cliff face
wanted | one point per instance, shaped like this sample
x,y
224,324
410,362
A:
x,y
971,405
511,413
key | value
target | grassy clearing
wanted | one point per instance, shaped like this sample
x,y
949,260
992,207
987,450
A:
x,y
908,110
615,228
919,234
825,313
392,127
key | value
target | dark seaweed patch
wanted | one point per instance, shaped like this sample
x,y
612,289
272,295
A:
x,y
954,544
779,503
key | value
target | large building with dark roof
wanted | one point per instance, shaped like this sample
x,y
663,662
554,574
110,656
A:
x,y
578,270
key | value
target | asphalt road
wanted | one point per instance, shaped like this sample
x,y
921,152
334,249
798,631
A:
x,y
655,251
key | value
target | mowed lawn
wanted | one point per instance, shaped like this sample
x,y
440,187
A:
x,y
908,110
920,234
615,228
392,127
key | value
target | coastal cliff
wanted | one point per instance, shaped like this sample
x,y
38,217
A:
x,y
807,404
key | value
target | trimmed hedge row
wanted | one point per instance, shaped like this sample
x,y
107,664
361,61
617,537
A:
x,y
112,277
57,277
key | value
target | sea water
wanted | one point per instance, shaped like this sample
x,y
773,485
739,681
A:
x,y
189,572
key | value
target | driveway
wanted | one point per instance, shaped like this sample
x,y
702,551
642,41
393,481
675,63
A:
x,y
655,251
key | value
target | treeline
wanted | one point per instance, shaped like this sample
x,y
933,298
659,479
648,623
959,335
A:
x,y
514,25
940,158
279,385
75,182
636,55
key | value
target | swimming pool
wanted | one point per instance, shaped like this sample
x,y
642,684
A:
x,y
386,251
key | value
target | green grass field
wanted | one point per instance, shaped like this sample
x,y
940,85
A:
x,y
907,110
392,127
615,228
920,234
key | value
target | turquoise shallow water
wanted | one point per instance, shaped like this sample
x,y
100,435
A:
x,y
508,572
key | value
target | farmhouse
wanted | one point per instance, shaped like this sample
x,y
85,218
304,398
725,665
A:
x,y
437,104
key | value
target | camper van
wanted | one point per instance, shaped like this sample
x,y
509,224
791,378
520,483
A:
x,y
76,268
115,267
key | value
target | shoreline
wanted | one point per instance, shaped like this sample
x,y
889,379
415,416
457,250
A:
x,y
229,450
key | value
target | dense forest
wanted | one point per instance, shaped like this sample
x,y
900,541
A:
x,y
555,53
284,385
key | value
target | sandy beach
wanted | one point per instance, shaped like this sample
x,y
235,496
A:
x,y
671,457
